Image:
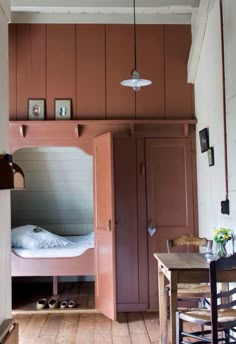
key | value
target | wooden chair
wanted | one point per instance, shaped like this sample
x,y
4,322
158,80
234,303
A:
x,y
221,317
190,292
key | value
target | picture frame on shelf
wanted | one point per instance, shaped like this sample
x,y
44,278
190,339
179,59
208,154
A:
x,y
210,153
204,140
63,109
36,109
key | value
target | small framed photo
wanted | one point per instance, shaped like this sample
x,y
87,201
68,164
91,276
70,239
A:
x,y
204,140
36,109
63,108
210,153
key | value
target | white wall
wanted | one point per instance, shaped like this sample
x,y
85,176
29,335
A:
x,y
5,271
209,113
59,190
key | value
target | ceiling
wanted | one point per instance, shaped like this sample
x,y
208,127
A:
x,y
108,11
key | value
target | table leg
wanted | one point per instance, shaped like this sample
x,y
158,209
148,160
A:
x,y
162,306
173,306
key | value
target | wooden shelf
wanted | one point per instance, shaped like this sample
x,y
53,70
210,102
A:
x,y
78,133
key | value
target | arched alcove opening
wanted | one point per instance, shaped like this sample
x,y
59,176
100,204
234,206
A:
x,y
58,197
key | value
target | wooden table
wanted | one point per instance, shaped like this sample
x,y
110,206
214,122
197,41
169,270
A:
x,y
180,268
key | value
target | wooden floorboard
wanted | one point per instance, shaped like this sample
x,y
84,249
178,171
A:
x,y
137,328
89,328
151,322
85,329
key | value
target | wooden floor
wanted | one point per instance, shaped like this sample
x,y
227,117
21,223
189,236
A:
x,y
87,328
82,324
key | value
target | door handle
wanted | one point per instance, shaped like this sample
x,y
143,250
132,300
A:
x,y
109,225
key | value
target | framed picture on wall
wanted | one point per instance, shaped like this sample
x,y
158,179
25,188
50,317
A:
x,y
204,140
63,108
36,109
210,153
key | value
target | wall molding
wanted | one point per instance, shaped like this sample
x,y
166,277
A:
x,y
79,133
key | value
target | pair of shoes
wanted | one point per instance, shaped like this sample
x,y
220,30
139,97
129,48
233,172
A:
x,y
43,303
71,304
65,304
53,303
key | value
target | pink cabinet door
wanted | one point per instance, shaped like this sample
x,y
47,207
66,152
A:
x,y
170,197
104,226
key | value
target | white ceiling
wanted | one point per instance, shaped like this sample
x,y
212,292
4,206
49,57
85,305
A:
x,y
108,11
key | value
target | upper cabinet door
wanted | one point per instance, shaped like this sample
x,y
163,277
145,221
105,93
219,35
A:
x,y
104,226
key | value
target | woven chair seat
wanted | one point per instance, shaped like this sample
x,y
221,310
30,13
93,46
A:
x,y
204,316
195,290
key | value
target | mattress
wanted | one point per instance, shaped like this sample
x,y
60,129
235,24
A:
x,y
80,245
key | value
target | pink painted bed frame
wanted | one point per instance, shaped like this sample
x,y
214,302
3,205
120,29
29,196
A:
x,y
82,265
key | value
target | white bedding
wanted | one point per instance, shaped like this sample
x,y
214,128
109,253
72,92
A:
x,y
80,245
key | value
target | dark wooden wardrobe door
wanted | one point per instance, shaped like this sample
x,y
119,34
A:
x,y
131,238
170,197
104,226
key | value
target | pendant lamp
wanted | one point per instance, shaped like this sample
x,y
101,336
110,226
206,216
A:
x,y
136,82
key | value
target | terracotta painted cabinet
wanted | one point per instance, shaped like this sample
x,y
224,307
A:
x,y
154,187
121,264
170,197
131,237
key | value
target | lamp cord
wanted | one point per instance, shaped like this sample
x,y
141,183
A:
x,y
135,60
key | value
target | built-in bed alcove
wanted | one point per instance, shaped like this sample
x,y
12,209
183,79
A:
x,y
120,178
58,197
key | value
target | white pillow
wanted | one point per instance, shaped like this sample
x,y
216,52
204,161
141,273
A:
x,y
33,237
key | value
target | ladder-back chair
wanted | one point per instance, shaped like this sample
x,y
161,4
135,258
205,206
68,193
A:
x,y
186,291
221,317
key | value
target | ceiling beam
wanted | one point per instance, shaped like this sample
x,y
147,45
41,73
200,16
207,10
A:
x,y
101,18
23,4
108,11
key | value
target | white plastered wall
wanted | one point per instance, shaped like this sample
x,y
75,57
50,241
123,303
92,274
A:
x,y
209,113
5,271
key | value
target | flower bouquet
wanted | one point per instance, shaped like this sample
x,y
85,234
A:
x,y
221,237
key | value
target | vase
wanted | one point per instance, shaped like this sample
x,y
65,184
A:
x,y
221,251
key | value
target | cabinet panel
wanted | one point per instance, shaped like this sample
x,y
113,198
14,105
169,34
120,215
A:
x,y
170,197
150,64
86,63
130,250
178,93
12,71
61,76
120,100
31,69
90,60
